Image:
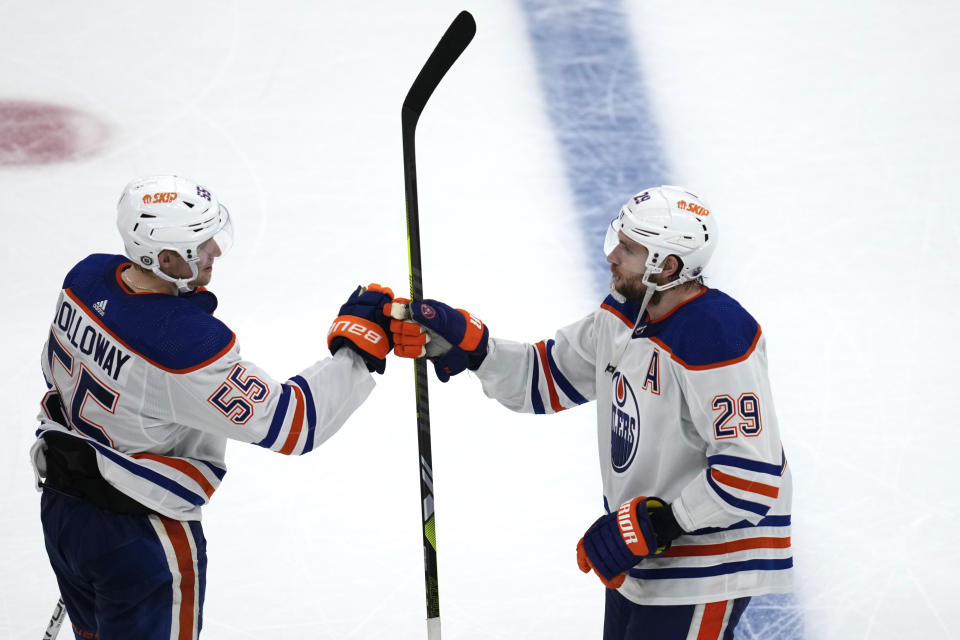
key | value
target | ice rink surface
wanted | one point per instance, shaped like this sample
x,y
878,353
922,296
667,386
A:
x,y
823,134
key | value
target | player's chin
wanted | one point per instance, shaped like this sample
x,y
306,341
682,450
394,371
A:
x,y
203,278
627,289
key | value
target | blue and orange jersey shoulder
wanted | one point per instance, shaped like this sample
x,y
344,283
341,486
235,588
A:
x,y
708,331
711,330
176,333
626,312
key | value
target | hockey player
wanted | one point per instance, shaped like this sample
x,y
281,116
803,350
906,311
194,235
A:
x,y
145,386
696,486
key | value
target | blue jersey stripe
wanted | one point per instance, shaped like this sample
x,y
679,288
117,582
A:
x,y
739,503
769,521
311,411
535,385
749,465
217,471
150,475
278,416
562,382
715,570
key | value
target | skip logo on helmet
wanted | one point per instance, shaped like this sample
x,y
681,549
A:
x,y
160,198
693,207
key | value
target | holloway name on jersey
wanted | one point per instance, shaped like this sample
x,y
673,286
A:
x,y
155,384
86,338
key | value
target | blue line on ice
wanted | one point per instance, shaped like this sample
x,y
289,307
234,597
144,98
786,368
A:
x,y
594,92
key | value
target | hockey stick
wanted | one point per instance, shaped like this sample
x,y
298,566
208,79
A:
x,y
53,629
451,45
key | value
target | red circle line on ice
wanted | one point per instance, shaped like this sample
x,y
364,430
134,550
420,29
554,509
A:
x,y
38,133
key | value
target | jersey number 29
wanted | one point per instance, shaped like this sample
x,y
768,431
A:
x,y
736,416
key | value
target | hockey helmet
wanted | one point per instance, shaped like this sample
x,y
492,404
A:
x,y
667,220
170,213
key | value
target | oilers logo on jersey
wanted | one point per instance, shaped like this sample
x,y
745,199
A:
x,y
623,424
699,374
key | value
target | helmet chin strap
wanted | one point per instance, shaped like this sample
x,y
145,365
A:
x,y
651,288
183,284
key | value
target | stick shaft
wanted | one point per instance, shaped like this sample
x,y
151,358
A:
x,y
448,49
56,621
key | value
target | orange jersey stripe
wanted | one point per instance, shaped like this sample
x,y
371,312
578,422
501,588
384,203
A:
x,y
691,550
182,466
551,389
181,547
297,425
617,313
745,485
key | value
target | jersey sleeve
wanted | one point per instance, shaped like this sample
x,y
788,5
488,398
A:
x,y
546,377
731,408
237,399
51,406
44,366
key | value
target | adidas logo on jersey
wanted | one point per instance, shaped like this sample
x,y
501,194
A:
x,y
100,307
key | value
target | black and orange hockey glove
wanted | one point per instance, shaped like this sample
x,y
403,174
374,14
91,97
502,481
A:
x,y
363,327
619,540
453,339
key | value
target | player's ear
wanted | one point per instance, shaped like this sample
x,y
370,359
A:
x,y
671,266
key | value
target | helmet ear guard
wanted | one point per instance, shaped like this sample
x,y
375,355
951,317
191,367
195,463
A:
x,y
171,213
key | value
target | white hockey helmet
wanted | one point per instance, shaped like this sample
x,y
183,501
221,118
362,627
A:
x,y
667,220
168,212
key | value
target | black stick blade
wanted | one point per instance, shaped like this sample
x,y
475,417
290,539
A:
x,y
451,45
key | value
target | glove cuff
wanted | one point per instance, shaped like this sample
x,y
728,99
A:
x,y
474,332
665,526
373,364
366,334
476,358
474,341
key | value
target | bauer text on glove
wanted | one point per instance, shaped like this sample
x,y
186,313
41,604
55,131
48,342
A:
x,y
362,327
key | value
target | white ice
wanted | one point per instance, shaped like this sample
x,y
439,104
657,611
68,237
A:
x,y
824,134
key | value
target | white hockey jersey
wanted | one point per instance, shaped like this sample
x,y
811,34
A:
x,y
155,384
686,415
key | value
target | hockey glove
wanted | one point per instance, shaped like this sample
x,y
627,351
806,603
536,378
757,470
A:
x,y
618,541
453,339
362,327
